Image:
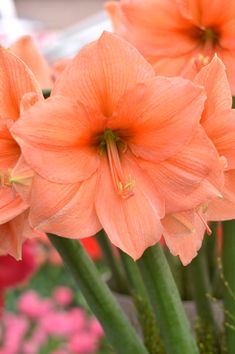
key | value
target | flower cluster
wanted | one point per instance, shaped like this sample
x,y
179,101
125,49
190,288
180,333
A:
x,y
116,147
41,321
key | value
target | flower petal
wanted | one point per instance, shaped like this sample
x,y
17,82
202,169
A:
x,y
219,98
25,48
163,116
102,72
191,177
132,224
182,241
12,236
22,178
16,80
11,204
9,150
70,214
228,58
224,208
54,136
147,26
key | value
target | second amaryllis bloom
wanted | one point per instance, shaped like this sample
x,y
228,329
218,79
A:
x,y
114,147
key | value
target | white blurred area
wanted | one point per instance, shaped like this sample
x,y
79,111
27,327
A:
x,y
61,27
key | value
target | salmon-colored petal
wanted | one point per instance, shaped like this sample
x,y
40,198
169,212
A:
x,y
191,177
54,136
11,204
206,12
182,241
9,149
227,31
16,80
228,58
25,48
22,178
147,25
224,208
12,237
219,98
182,65
163,117
102,72
131,224
71,214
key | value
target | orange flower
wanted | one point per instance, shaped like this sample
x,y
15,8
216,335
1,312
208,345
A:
x,y
26,49
218,120
178,36
113,145
16,81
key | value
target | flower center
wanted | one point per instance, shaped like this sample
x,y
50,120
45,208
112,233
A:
x,y
204,35
209,34
113,145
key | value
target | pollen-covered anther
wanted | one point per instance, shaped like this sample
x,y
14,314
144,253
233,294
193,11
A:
x,y
199,61
126,191
5,179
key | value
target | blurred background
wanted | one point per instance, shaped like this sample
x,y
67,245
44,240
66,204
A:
x,y
57,14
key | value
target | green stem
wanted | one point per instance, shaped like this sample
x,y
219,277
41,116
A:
x,y
174,325
147,320
98,296
228,277
118,280
207,331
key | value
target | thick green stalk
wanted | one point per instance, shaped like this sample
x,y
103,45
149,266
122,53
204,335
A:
x,y
147,320
228,277
206,330
119,331
118,280
171,317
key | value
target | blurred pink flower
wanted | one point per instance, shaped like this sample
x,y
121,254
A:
x,y
58,324
96,328
31,305
63,296
83,343
15,329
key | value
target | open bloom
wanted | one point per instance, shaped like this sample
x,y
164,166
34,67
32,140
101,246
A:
x,y
178,36
218,120
114,146
16,81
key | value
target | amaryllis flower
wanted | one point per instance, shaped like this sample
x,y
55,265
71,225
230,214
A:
x,y
94,145
218,120
178,36
16,81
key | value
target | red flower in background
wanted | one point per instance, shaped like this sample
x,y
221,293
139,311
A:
x,y
14,273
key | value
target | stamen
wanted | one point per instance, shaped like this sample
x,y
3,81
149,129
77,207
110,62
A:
x,y
208,230
5,181
124,186
199,61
